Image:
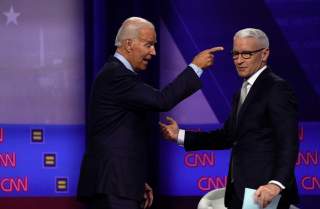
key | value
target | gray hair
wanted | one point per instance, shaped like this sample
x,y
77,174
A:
x,y
130,29
253,33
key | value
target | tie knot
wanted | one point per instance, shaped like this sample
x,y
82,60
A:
x,y
245,84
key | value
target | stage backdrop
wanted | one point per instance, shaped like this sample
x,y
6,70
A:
x,y
42,87
42,97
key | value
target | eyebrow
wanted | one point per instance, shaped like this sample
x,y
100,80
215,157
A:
x,y
245,51
143,39
149,42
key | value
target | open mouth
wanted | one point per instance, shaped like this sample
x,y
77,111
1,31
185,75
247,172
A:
x,y
145,61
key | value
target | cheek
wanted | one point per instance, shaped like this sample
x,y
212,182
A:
x,y
258,60
139,53
254,63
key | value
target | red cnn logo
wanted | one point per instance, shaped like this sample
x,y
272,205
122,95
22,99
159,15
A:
x,y
1,135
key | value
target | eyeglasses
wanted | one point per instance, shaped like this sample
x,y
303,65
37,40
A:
x,y
244,54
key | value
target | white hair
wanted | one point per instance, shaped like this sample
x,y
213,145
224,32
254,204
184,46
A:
x,y
130,29
253,33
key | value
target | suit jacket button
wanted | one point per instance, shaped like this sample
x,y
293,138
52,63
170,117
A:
x,y
235,143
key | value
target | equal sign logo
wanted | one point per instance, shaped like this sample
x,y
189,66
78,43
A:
x,y
61,184
49,160
37,135
1,135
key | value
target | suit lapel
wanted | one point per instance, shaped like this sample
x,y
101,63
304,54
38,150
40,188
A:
x,y
235,104
234,118
257,86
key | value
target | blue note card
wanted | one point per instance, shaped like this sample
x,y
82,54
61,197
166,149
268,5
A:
x,y
249,202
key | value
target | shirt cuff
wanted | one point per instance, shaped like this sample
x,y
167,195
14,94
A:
x,y
277,183
196,69
181,136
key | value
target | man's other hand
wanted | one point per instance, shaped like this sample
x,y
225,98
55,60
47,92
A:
x,y
171,130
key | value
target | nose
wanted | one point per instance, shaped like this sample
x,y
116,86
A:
x,y
238,60
153,51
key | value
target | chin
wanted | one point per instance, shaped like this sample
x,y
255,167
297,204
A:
x,y
241,75
141,67
144,67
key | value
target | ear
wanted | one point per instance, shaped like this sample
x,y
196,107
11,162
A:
x,y
265,54
128,45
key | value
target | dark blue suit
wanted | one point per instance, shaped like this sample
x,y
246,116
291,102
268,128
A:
x,y
263,138
115,158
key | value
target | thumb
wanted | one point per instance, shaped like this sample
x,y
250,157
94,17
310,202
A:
x,y
257,193
162,124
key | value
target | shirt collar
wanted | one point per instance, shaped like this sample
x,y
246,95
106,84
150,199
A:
x,y
124,61
254,77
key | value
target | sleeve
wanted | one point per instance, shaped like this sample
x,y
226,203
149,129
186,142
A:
x,y
218,139
284,120
131,93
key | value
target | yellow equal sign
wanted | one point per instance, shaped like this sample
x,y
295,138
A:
x,y
61,184
1,135
37,135
49,160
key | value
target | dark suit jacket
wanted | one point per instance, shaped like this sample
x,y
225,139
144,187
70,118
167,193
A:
x,y
263,137
115,157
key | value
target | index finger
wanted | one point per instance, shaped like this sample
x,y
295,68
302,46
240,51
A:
x,y
215,49
170,120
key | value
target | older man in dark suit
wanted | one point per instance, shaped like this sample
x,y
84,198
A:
x,y
113,171
262,129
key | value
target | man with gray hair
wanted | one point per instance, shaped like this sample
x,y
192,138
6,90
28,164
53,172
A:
x,y
262,129
113,172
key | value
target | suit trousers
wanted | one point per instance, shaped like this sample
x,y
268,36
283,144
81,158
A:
x,y
112,202
236,202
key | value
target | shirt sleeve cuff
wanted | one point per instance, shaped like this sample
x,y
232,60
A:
x,y
181,136
277,183
196,69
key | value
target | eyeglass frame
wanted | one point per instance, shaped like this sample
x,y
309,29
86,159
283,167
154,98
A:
x,y
244,54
